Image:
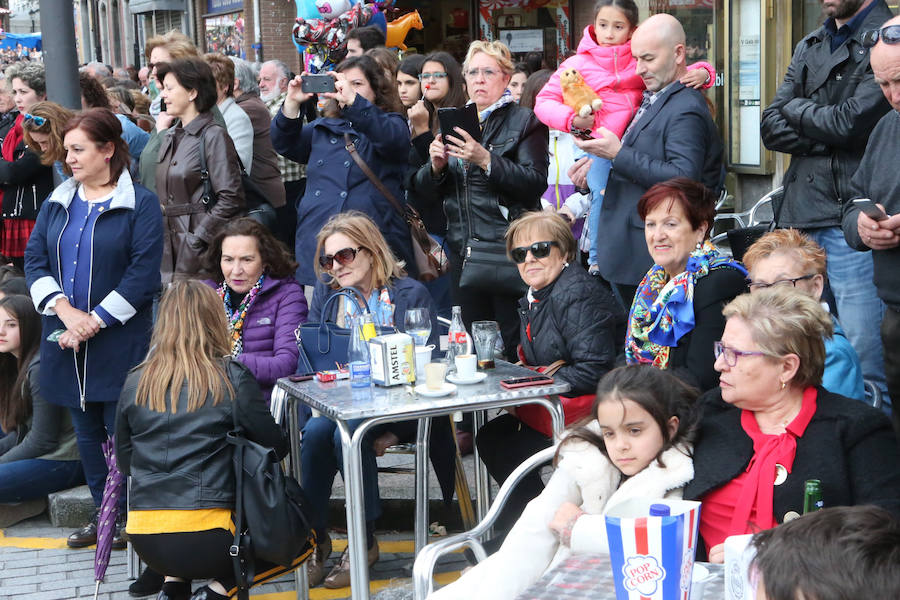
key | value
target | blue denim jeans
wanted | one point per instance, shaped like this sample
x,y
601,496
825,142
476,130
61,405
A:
x,y
321,458
597,177
860,310
92,427
33,478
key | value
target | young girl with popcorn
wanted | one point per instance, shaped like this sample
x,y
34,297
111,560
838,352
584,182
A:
x,y
605,62
635,444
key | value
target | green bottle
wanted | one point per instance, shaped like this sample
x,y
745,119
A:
x,y
812,496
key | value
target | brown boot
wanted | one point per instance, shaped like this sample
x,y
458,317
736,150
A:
x,y
340,574
315,565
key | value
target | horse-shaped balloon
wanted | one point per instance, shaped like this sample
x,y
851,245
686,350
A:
x,y
398,29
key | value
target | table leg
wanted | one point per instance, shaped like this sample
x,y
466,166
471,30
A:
x,y
301,581
355,507
421,525
482,481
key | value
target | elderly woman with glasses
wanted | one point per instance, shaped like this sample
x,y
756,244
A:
x,y
486,184
788,258
567,317
771,426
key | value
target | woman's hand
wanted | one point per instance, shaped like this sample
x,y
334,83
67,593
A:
x,y
583,122
695,78
343,90
77,322
69,340
717,554
566,213
163,121
563,520
438,153
295,97
462,145
418,118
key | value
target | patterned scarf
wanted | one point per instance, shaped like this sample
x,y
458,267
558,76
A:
x,y
236,317
504,99
380,306
663,310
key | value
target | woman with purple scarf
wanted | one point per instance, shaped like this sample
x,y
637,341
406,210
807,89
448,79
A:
x,y
676,314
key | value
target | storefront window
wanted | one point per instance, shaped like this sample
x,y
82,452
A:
x,y
225,34
447,26
528,27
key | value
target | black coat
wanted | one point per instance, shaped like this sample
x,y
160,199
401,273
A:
x,y
579,322
517,141
676,137
692,359
182,461
848,445
822,114
25,183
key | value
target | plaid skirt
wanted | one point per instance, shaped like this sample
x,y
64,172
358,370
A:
x,y
15,236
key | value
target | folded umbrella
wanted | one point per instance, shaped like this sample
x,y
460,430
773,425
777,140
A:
x,y
109,511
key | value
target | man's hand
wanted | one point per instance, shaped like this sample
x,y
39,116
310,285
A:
x,y
578,172
879,235
605,145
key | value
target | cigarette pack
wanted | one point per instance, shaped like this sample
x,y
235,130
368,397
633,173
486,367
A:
x,y
393,359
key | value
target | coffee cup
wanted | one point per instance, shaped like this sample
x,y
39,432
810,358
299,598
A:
x,y
423,357
465,366
434,375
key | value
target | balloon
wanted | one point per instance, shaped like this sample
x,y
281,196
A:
x,y
398,29
306,9
329,9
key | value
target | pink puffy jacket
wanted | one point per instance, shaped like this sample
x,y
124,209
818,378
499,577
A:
x,y
609,71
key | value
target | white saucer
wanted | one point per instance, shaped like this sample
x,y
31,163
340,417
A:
x,y
446,389
479,376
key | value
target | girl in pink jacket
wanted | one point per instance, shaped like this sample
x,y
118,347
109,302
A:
x,y
604,61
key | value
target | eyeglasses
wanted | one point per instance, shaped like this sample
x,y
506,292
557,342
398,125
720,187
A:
x,y
731,354
430,76
38,121
889,35
486,73
344,256
759,285
538,250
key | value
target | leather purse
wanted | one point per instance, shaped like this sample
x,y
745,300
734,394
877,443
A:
x,y
324,345
430,258
487,268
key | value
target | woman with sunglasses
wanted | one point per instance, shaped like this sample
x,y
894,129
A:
x,y
24,180
351,252
676,314
566,315
43,128
485,185
770,426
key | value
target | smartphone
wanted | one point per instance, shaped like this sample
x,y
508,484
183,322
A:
x,y
466,118
871,210
296,378
162,105
316,84
518,382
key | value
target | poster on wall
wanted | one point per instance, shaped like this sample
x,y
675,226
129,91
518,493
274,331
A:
x,y
523,40
225,34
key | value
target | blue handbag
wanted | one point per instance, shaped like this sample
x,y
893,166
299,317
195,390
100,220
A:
x,y
323,346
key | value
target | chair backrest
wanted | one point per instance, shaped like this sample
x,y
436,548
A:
x,y
873,393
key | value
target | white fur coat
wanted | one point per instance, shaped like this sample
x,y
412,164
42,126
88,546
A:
x,y
585,477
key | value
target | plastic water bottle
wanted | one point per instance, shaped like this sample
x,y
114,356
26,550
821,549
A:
x,y
457,339
358,354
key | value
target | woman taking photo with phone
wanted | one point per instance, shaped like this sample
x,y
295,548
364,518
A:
x,y
362,124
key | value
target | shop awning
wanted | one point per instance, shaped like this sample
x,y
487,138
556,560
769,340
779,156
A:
x,y
144,6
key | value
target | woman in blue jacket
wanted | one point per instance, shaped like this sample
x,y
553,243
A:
x,y
366,107
92,266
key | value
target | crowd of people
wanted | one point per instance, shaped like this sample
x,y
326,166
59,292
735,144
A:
x,y
693,373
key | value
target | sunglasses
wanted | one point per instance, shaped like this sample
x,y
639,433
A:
x,y
344,256
430,76
538,250
38,121
889,35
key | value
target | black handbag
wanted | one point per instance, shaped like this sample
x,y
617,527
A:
x,y
324,345
271,521
258,207
487,268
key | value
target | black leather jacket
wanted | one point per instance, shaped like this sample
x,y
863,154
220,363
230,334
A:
x,y
822,114
181,461
517,141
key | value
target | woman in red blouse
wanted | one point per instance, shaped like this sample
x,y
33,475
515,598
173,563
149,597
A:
x,y
771,426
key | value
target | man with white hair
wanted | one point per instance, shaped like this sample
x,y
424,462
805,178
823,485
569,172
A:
x,y
274,77
97,70
879,179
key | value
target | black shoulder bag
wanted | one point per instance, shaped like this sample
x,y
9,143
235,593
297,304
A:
x,y
270,510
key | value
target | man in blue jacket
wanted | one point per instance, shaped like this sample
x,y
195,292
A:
x,y
672,135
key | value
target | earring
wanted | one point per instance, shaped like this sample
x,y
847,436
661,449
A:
x,y
107,159
783,385
699,246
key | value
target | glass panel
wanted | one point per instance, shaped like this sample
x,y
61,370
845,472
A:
x,y
225,34
745,84
447,26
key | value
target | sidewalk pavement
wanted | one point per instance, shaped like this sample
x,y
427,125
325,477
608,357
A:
x,y
35,563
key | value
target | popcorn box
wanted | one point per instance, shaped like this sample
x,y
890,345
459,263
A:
x,y
392,358
739,555
652,557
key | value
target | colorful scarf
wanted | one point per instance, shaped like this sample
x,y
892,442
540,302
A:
x,y
236,317
663,310
380,305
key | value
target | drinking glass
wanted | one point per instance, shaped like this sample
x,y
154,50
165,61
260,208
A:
x,y
417,323
486,334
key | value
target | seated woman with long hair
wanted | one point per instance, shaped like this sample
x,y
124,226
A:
x,y
173,416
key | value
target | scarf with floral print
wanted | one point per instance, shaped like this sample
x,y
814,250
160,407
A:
x,y
237,315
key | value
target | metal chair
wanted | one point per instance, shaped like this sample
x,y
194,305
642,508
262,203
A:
x,y
873,393
429,555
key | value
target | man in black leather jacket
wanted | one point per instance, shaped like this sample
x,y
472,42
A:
x,y
822,114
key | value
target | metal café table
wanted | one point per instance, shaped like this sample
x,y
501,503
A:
x,y
374,405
